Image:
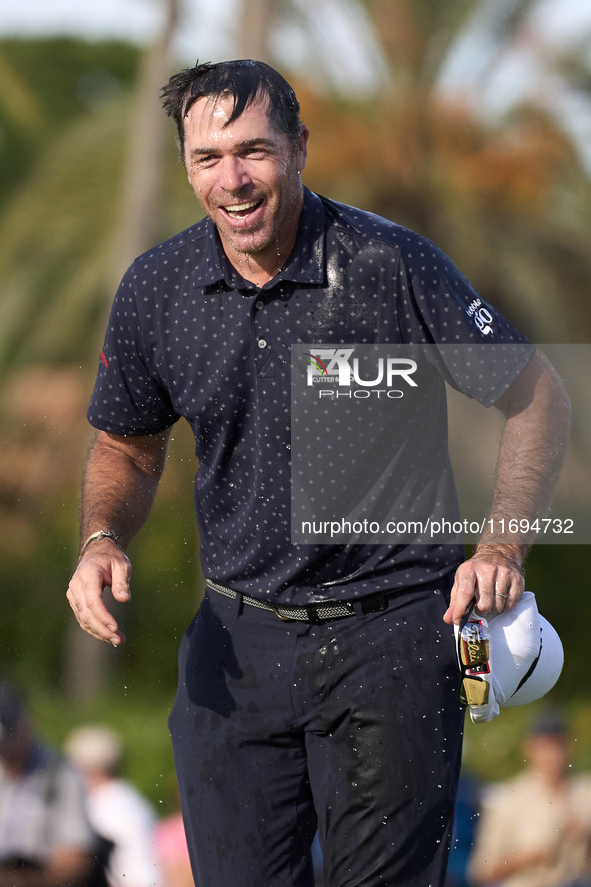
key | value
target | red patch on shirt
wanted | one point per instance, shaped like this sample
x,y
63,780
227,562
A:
x,y
104,360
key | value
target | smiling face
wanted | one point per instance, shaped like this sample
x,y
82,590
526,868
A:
x,y
246,177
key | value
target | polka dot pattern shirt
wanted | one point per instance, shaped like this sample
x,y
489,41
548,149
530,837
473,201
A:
x,y
189,337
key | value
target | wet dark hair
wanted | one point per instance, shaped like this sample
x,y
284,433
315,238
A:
x,y
243,79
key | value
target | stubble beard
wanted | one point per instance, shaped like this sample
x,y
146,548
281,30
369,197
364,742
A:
x,y
237,241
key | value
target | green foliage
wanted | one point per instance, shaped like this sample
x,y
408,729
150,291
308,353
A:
x,y
56,240
47,83
166,592
558,574
58,230
137,713
34,618
510,206
494,751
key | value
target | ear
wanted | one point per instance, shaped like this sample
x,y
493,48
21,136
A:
x,y
302,150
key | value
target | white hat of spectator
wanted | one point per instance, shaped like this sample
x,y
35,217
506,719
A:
x,y
525,657
94,748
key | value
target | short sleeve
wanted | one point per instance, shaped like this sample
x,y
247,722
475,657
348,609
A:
x,y
480,352
128,397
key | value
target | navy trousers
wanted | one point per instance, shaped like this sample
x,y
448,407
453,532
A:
x,y
352,726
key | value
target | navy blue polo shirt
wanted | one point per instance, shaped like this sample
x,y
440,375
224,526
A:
x,y
188,336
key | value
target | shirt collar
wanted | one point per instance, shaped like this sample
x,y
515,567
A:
x,y
305,264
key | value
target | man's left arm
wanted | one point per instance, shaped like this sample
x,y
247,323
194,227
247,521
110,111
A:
x,y
537,417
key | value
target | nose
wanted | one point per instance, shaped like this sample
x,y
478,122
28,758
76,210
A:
x,y
233,174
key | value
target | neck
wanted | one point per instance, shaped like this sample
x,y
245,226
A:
x,y
95,779
250,267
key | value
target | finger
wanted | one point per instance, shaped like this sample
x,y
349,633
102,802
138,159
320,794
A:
x,y
486,586
494,590
500,600
100,622
508,590
98,628
96,620
500,587
462,594
121,573
85,595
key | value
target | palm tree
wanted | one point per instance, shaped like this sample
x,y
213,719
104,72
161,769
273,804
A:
x,y
508,203
90,207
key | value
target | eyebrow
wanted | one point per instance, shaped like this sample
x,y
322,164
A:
x,y
248,143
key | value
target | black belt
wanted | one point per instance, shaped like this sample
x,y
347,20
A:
x,y
370,603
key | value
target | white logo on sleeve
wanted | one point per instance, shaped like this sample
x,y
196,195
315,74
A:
x,y
482,316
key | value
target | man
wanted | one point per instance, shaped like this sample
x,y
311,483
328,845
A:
x,y
535,829
45,838
118,813
318,683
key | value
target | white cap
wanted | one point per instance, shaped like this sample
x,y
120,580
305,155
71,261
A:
x,y
519,638
525,658
94,748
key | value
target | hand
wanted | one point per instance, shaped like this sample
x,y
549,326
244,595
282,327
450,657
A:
x,y
492,578
102,564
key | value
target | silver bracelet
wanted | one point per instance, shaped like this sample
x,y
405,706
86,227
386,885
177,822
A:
x,y
100,534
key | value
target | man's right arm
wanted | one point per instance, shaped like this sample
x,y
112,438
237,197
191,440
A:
x,y
120,482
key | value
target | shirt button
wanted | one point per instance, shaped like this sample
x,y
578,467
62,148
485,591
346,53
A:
x,y
259,304
262,343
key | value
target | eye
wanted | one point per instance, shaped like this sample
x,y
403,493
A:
x,y
255,151
204,160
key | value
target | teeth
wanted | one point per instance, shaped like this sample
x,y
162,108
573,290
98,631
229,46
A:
x,y
240,207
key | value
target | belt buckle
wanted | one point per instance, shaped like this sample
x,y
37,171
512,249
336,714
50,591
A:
x,y
310,609
279,616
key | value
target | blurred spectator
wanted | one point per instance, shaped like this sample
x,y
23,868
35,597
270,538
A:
x,y
535,829
117,811
45,838
172,852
